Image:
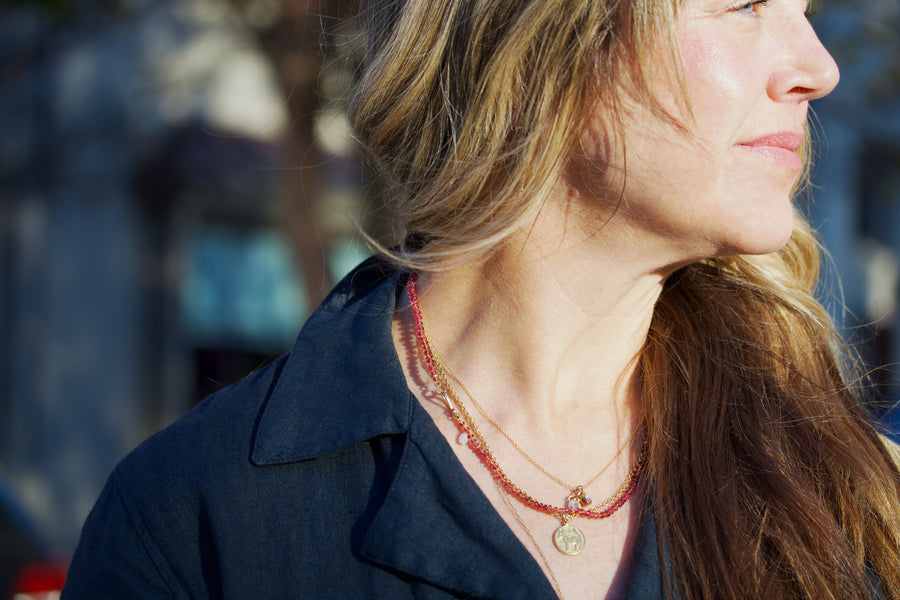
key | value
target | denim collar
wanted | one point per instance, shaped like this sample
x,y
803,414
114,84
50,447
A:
x,y
358,395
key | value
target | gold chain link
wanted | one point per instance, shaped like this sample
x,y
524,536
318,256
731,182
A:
x,y
446,370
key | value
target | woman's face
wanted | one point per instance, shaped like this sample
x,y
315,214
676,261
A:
x,y
722,186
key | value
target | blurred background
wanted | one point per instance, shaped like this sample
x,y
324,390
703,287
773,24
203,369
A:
x,y
178,190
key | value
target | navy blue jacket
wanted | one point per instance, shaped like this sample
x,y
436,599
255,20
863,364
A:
x,y
319,476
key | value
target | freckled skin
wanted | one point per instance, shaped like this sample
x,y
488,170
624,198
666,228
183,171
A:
x,y
748,73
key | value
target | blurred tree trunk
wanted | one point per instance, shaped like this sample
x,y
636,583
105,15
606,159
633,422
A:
x,y
291,33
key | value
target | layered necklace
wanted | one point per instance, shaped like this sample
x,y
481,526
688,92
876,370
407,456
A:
x,y
567,538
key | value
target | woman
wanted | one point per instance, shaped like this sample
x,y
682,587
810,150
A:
x,y
603,293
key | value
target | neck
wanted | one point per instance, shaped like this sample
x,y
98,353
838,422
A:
x,y
545,339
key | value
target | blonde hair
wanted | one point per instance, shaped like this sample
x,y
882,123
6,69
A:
x,y
469,109
767,477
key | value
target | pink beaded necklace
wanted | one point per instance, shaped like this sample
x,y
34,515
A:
x,y
567,538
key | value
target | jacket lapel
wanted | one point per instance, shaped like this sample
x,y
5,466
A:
x,y
436,525
352,392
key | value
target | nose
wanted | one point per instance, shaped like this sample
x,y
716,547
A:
x,y
807,71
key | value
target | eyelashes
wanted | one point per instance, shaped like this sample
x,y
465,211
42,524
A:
x,y
749,7
753,7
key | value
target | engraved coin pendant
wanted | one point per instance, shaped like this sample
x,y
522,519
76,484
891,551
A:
x,y
568,539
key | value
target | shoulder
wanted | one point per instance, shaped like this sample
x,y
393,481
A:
x,y
214,435
145,535
236,468
144,538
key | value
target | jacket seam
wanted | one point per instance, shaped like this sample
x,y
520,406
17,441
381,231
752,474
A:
x,y
165,574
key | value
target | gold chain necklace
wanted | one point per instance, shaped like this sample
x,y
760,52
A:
x,y
577,492
567,538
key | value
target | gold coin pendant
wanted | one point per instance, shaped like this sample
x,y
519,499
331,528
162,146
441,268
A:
x,y
568,539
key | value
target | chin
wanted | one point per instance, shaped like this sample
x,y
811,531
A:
x,y
764,239
765,229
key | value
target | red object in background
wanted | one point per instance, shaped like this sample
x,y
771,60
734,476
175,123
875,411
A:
x,y
39,581
29,567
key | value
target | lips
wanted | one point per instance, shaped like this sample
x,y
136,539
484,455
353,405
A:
x,y
779,148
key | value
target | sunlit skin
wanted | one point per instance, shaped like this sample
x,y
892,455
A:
x,y
723,187
545,334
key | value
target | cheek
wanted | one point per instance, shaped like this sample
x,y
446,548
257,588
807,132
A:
x,y
717,73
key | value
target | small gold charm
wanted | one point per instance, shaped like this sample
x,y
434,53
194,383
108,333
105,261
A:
x,y
568,539
578,499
